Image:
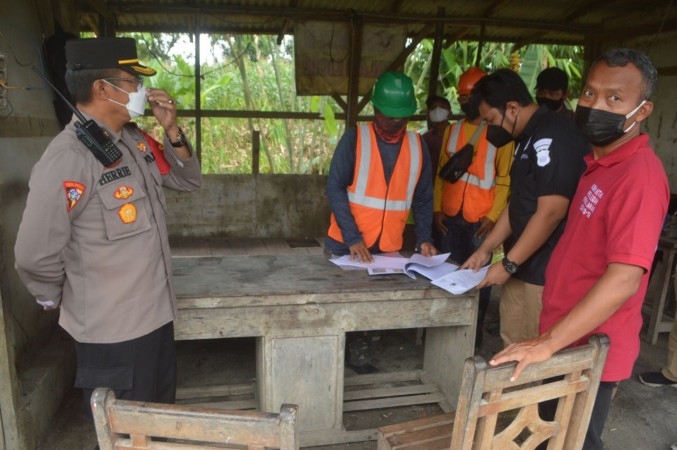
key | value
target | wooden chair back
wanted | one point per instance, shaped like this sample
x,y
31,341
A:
x,y
122,424
489,392
495,413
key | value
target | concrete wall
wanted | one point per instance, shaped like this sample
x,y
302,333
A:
x,y
662,124
24,134
266,206
31,388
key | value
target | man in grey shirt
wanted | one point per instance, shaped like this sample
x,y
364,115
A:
x,y
93,239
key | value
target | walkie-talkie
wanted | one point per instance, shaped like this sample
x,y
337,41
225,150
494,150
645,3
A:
x,y
90,133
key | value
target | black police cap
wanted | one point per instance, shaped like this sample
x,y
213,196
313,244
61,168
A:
x,y
105,53
552,79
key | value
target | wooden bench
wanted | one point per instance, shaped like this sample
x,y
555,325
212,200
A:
x,y
122,424
488,399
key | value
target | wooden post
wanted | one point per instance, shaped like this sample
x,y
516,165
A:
x,y
9,388
198,106
339,101
106,26
4,371
354,67
434,72
256,151
480,47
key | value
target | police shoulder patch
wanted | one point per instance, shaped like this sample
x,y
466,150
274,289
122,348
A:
x,y
542,148
74,191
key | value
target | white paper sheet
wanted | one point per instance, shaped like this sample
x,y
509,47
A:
x,y
435,272
461,281
388,263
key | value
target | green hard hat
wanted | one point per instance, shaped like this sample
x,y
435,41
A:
x,y
393,95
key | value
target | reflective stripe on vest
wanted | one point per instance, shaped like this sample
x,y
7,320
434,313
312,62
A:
x,y
360,197
488,179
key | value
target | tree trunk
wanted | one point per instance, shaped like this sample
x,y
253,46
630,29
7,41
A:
x,y
287,132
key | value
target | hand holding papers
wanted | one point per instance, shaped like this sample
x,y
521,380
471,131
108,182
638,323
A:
x,y
461,281
443,274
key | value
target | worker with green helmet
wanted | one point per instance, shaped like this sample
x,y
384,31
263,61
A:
x,y
379,172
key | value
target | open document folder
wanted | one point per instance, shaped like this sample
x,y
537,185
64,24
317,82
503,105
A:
x,y
442,274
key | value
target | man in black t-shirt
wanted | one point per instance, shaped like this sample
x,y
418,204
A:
x,y
548,162
552,87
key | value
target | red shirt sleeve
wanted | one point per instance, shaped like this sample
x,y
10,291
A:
x,y
635,221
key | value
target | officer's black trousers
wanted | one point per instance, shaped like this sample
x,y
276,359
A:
x,y
142,369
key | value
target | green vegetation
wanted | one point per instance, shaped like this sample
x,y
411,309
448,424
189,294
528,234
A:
x,y
255,73
528,61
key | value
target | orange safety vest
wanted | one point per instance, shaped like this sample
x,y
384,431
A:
x,y
473,193
381,209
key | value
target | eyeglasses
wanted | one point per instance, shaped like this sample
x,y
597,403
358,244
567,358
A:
x,y
138,81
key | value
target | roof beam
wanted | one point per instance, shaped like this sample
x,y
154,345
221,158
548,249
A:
x,y
649,29
568,39
339,16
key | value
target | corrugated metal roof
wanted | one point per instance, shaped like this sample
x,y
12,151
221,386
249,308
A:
x,y
523,21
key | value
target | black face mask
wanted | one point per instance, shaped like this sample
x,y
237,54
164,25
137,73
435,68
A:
x,y
470,110
499,136
600,127
555,105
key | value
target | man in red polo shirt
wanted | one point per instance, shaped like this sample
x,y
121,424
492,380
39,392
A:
x,y
598,273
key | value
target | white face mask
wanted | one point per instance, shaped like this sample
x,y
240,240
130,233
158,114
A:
x,y
439,114
137,101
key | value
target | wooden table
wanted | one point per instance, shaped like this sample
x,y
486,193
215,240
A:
x,y
658,290
299,308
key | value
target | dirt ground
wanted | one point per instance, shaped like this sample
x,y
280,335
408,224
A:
x,y
641,418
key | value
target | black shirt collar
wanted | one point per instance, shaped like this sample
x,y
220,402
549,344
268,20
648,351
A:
x,y
534,121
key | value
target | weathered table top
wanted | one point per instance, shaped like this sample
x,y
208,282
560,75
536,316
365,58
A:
x,y
236,296
263,275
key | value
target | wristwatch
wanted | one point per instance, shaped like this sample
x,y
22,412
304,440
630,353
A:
x,y
181,140
510,266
